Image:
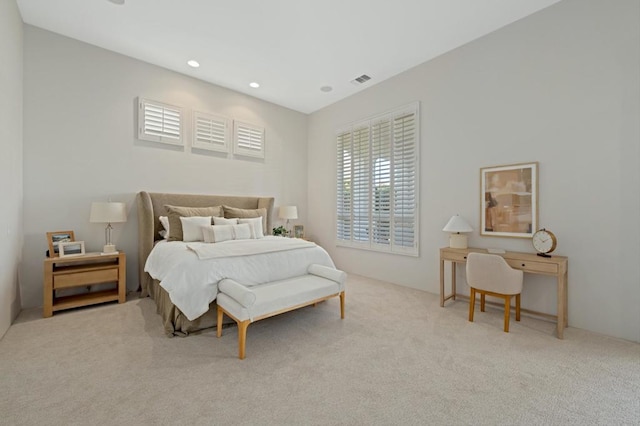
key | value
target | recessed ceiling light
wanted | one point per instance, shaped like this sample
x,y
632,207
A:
x,y
326,88
193,64
117,1
254,84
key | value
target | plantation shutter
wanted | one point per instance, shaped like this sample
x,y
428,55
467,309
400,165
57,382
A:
x,y
159,122
361,184
210,132
343,189
381,179
248,140
404,180
377,183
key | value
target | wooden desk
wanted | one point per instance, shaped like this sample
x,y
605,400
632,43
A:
x,y
556,266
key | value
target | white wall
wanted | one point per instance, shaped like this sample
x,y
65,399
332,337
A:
x,y
10,161
80,146
561,87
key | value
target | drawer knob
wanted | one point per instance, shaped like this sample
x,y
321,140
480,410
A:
x,y
523,265
465,258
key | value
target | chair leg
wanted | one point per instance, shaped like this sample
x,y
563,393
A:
x,y
507,306
342,305
481,302
472,302
517,307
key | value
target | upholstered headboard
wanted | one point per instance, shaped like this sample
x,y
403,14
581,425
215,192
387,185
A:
x,y
151,206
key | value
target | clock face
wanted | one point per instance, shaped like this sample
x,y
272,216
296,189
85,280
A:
x,y
544,241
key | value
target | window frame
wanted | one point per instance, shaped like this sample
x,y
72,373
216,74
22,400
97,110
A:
x,y
213,119
162,136
347,214
248,152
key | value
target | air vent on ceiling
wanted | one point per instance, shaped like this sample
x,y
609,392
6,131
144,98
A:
x,y
360,80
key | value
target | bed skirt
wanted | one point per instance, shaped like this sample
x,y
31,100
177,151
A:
x,y
175,323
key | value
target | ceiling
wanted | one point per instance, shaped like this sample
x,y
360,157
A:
x,y
292,48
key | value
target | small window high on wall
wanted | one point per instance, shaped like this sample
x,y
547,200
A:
x,y
377,182
159,122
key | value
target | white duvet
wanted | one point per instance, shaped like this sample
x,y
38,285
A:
x,y
192,282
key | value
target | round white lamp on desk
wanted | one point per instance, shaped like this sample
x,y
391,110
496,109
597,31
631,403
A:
x,y
457,226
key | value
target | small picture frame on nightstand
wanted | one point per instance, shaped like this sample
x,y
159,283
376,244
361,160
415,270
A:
x,y
298,231
71,248
57,237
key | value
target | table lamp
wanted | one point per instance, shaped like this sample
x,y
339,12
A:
x,y
288,212
456,225
108,213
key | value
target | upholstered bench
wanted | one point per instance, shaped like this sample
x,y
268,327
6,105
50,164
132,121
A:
x,y
246,304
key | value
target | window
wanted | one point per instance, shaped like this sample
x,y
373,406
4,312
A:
x,y
158,122
377,183
248,140
211,132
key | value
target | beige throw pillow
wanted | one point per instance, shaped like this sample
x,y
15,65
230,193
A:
x,y
174,213
230,212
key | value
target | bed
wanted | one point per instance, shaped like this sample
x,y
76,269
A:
x,y
176,264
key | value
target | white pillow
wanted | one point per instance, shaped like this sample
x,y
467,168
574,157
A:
x,y
224,221
191,227
217,233
164,221
242,232
256,226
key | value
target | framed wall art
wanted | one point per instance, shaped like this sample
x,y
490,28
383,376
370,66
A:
x,y
509,200
57,237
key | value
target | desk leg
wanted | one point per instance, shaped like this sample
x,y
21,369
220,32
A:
x,y
441,283
453,280
562,304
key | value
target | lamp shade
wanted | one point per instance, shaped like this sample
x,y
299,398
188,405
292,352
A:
x,y
457,224
108,212
288,212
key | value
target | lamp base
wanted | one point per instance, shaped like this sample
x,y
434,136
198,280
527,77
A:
x,y
458,241
109,248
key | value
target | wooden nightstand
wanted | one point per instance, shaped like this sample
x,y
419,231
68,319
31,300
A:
x,y
82,271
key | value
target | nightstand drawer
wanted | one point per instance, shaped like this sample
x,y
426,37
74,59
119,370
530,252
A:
x,y
84,278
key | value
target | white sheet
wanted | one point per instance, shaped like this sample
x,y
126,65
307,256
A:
x,y
192,283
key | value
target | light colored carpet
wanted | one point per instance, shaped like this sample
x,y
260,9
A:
x,y
397,358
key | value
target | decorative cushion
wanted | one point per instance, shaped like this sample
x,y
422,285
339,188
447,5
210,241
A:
x,y
242,232
223,221
256,226
176,212
192,227
164,221
230,212
217,233
220,233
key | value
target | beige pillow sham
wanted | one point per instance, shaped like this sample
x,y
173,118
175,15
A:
x,y
231,212
174,213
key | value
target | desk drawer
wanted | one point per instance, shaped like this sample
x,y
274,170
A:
x,y
456,257
533,266
84,278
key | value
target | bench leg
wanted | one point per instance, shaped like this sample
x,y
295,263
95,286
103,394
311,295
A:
x,y
342,305
242,337
219,325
